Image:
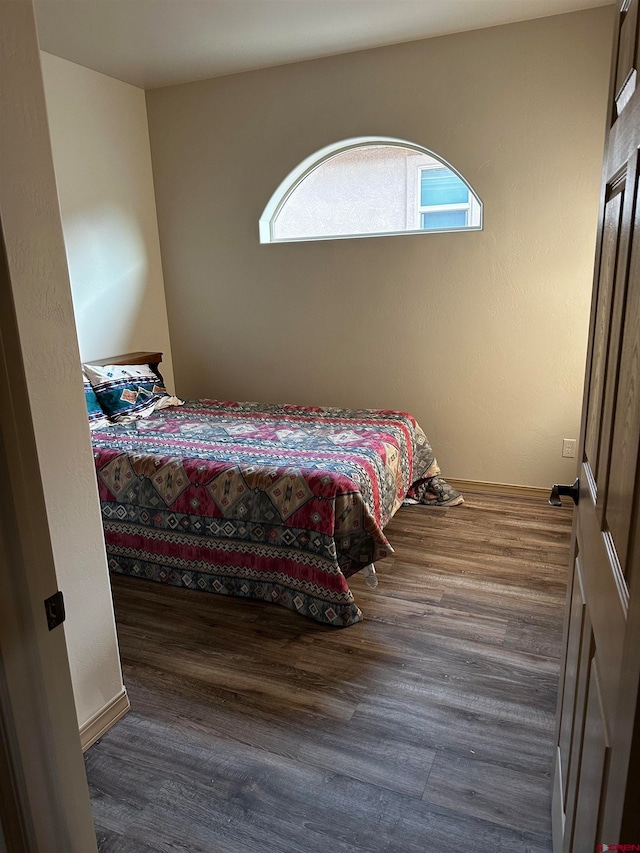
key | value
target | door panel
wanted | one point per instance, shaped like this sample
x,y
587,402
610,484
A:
x,y
572,680
627,51
626,418
602,331
618,308
573,714
595,751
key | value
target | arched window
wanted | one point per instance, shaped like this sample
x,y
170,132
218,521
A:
x,y
368,187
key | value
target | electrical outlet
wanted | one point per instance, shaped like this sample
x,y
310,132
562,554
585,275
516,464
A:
x,y
569,448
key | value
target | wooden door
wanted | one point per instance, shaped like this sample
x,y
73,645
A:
x,y
596,799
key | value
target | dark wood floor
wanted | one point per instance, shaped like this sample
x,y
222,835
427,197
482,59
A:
x,y
426,728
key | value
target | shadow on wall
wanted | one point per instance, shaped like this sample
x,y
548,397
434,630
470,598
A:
x,y
109,272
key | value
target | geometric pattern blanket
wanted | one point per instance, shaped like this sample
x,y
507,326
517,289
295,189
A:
x,y
277,502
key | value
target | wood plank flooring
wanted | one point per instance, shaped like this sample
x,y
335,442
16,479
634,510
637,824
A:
x,y
426,728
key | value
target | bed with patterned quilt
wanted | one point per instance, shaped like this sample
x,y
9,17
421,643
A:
x,y
276,502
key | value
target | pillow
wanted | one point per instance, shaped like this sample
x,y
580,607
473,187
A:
x,y
127,392
97,418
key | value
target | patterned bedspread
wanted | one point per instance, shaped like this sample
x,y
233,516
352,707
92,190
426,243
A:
x,y
281,503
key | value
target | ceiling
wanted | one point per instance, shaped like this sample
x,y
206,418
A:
x,y
153,43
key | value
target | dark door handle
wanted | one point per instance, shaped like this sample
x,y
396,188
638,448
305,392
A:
x,y
572,492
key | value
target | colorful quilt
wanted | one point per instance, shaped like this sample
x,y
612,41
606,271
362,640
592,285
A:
x,y
281,503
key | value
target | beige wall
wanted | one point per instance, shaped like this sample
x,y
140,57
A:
x,y
49,351
481,334
101,155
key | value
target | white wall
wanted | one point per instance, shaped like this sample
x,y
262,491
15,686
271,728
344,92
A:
x,y
49,351
100,143
481,335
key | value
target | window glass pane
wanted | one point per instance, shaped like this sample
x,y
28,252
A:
x,y
442,186
362,191
444,219
368,189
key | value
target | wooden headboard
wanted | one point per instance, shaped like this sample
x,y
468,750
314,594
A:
x,y
131,358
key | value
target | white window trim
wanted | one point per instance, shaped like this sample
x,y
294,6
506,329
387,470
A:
x,y
439,208
309,164
473,206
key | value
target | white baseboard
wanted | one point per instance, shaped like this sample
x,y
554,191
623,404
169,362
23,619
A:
x,y
102,720
499,488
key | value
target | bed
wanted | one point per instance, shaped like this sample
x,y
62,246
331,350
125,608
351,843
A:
x,y
276,502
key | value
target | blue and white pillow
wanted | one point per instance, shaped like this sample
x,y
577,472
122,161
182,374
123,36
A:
x,y
97,418
127,392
